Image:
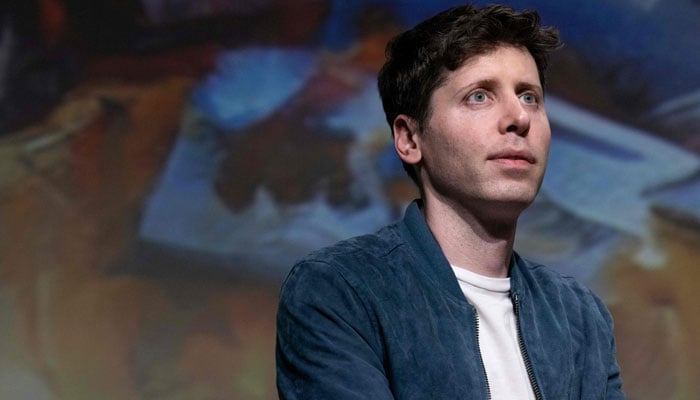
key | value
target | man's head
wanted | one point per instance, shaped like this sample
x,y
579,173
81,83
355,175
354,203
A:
x,y
420,59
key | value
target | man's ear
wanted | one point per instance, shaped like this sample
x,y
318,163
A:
x,y
406,141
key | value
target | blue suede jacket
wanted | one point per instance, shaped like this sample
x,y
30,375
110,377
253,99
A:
x,y
382,316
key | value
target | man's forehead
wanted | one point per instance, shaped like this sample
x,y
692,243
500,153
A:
x,y
489,66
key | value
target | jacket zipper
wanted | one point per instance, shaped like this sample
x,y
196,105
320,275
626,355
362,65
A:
x,y
481,358
523,350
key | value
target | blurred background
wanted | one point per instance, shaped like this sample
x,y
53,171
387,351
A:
x,y
163,163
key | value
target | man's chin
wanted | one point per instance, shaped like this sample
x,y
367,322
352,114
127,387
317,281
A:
x,y
509,208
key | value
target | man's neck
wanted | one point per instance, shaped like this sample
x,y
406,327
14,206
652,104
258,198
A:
x,y
483,246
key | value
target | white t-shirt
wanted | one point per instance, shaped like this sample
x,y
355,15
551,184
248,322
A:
x,y
498,336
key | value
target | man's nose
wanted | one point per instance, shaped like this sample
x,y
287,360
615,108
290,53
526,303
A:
x,y
515,118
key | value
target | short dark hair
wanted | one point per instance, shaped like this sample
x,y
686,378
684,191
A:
x,y
419,59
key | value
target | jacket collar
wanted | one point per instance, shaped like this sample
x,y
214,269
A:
x,y
432,261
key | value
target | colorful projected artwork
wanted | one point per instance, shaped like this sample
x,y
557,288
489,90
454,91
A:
x,y
164,163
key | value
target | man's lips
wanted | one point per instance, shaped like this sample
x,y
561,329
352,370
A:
x,y
514,156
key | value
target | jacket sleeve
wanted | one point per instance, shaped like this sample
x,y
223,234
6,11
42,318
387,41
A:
x,y
327,343
614,387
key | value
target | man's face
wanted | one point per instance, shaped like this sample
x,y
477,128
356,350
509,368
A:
x,y
484,146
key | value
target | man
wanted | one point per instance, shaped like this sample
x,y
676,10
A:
x,y
438,305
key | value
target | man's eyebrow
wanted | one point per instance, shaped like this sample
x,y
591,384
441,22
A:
x,y
529,86
488,83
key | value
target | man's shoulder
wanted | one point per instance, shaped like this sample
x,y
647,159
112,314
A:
x,y
363,264
545,277
553,284
375,244
358,253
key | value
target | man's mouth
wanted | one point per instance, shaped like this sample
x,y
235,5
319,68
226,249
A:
x,y
521,156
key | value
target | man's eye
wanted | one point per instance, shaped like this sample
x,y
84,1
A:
x,y
477,97
529,98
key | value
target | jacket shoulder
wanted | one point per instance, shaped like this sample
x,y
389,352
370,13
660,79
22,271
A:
x,y
358,253
537,274
566,289
360,262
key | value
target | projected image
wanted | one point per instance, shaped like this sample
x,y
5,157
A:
x,y
146,142
296,154
286,149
